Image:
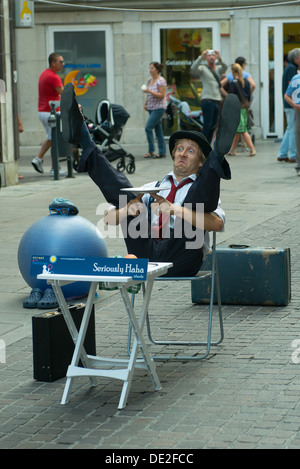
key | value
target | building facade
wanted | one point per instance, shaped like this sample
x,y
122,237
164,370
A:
x,y
107,47
9,143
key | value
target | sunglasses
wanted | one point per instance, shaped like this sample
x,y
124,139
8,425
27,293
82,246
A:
x,y
61,211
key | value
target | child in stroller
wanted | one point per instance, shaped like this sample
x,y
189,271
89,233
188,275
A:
x,y
187,119
107,131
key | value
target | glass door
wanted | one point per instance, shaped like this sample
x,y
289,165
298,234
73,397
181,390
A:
x,y
277,39
271,79
88,56
176,46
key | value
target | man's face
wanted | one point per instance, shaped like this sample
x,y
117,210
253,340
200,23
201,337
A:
x,y
186,158
211,59
58,64
297,60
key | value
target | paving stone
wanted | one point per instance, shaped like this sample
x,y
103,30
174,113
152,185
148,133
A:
x,y
245,395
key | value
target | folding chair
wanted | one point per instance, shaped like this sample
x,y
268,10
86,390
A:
x,y
215,287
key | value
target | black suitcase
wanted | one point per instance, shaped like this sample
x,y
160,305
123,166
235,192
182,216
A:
x,y
53,346
248,276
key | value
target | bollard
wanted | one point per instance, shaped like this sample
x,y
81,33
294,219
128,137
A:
x,y
60,149
54,145
64,149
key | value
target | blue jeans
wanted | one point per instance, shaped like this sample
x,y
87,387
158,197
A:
x,y
210,111
297,137
288,144
154,123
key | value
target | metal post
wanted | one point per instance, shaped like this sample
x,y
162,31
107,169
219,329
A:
x,y
70,167
54,145
64,148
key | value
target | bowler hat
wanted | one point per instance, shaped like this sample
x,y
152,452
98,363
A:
x,y
197,137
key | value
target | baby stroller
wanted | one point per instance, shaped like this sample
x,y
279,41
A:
x,y
107,131
187,119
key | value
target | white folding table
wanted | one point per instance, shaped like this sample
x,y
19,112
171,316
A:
x,y
94,366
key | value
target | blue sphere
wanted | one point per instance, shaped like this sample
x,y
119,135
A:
x,y
60,236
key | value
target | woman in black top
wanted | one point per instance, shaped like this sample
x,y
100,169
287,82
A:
x,y
241,87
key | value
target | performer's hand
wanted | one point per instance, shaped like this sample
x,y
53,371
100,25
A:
x,y
135,206
162,205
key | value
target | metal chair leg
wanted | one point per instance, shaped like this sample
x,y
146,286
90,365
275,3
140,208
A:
x,y
215,286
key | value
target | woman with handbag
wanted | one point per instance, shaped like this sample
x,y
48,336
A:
x,y
156,105
241,87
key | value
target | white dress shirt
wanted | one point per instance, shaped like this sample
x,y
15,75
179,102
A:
x,y
179,199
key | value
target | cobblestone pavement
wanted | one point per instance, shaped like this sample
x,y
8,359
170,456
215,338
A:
x,y
244,395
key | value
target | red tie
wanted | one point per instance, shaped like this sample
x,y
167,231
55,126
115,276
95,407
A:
x,y
163,218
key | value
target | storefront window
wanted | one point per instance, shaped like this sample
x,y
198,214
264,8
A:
x,y
179,49
84,53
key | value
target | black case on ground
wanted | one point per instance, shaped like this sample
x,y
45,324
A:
x,y
53,346
248,276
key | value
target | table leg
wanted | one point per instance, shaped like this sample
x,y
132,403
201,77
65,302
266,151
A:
x,y
125,373
78,337
138,343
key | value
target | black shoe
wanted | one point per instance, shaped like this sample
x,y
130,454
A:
x,y
229,122
71,116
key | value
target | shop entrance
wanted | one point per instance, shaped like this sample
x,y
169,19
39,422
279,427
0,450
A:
x,y
277,39
176,46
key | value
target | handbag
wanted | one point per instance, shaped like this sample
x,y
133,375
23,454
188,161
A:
x,y
250,122
246,105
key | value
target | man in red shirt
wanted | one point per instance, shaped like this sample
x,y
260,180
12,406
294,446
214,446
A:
x,y
50,88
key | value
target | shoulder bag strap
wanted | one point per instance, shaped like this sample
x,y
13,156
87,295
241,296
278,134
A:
x,y
215,75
